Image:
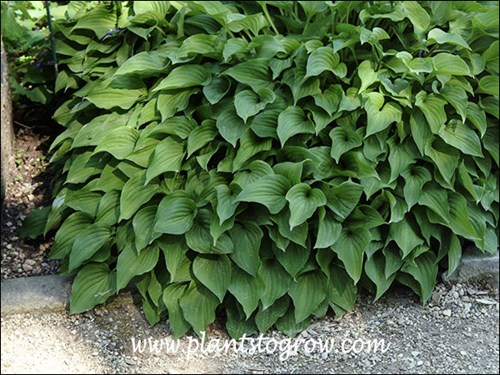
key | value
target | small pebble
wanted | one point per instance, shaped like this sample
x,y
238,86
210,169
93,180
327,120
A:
x,y
447,312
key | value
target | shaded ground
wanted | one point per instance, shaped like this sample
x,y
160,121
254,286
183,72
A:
x,y
30,188
456,333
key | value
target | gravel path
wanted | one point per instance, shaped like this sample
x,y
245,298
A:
x,y
457,332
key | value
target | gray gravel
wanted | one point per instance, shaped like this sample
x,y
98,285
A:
x,y
457,332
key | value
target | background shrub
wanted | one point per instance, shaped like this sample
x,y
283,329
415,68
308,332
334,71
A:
x,y
266,160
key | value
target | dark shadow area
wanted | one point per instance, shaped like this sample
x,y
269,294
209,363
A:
x,y
29,189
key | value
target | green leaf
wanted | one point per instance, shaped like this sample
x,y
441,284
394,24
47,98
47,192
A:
x,y
343,198
446,63
374,268
93,285
365,216
180,126
265,319
100,20
398,207
216,89
460,221
288,325
330,99
276,282
84,200
292,171
265,123
84,166
254,23
424,270
404,234
457,97
329,230
254,73
269,190
293,258
343,140
34,224
490,142
144,227
214,272
488,85
183,77
201,44
134,194
322,59
234,46
171,102
380,116
175,214
278,66
198,306
119,142
226,202
171,297
445,158
303,201
250,145
67,233
131,264
246,289
433,110
144,64
167,157
454,254
199,238
236,324
417,15
293,121
87,243
341,290
248,238
442,37
436,199
176,260
307,293
350,248
231,126
248,103
460,136
367,75
201,136
415,179
401,156
108,97
297,235
254,171
477,117
109,208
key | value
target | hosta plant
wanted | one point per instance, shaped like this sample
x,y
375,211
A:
x,y
263,161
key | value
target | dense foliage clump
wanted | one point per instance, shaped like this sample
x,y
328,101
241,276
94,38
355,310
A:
x,y
266,160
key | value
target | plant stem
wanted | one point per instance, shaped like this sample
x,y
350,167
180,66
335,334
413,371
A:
x,y
52,40
269,19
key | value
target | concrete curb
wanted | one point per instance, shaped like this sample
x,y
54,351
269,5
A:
x,y
46,294
478,267
39,293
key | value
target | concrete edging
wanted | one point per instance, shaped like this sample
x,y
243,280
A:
x,y
475,266
51,293
46,294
